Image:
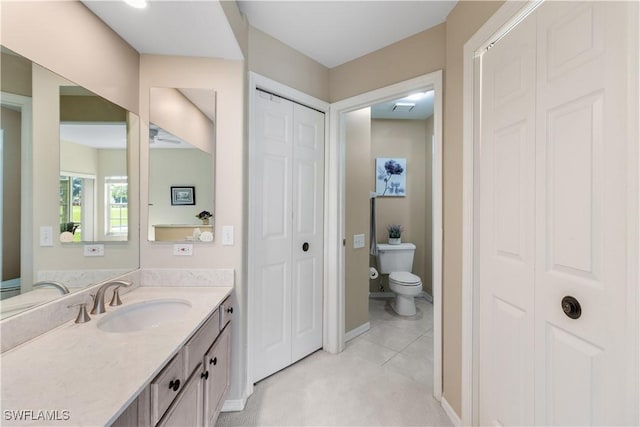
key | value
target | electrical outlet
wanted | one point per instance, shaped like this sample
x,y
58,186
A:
x,y
46,235
94,250
358,241
183,249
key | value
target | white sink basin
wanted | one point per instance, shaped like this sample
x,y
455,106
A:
x,y
144,315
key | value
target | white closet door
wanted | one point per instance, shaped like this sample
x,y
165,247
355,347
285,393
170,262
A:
x,y
582,213
287,214
555,214
273,234
308,230
507,252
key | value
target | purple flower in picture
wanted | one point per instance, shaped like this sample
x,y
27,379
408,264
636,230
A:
x,y
385,175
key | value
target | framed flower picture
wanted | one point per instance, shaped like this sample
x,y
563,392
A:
x,y
391,176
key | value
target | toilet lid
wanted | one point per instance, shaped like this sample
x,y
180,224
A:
x,y
404,278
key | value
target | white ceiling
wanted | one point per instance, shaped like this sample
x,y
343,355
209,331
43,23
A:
x,y
335,32
95,135
184,28
331,32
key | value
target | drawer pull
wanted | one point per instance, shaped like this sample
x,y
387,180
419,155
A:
x,y
174,385
213,361
230,310
205,375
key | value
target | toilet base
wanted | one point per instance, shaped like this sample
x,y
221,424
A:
x,y
404,305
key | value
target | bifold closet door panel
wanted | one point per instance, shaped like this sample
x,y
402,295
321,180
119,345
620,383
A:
x,y
582,214
507,206
273,234
308,230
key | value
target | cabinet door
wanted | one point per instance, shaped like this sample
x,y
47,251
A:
x,y
217,364
187,408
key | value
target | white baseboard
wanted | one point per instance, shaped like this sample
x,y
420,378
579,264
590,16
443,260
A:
x,y
455,419
234,405
426,296
357,331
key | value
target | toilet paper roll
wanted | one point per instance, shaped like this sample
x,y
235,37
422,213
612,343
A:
x,y
373,273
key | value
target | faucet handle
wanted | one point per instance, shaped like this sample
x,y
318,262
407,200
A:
x,y
83,316
115,299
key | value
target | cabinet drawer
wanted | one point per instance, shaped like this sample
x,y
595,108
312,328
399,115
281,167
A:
x,y
166,386
226,312
200,342
186,410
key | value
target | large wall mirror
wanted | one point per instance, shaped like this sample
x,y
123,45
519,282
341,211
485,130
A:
x,y
181,164
93,168
65,179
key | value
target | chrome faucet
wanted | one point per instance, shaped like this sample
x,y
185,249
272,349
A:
x,y
53,284
98,302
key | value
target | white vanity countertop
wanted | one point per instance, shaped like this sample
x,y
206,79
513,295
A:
x,y
92,374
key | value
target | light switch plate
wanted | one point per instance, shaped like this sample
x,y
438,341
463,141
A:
x,y
358,241
227,235
46,235
183,249
94,250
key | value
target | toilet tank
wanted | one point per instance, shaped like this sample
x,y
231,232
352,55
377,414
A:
x,y
395,257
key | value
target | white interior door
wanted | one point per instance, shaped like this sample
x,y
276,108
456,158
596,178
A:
x,y
507,206
287,214
308,230
554,205
582,147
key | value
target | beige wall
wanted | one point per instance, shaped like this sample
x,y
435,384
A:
x,y
227,79
412,57
68,39
78,158
277,61
358,187
402,139
10,123
16,74
169,167
173,112
463,21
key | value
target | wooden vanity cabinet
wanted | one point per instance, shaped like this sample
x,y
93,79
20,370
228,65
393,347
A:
x,y
216,367
205,363
187,408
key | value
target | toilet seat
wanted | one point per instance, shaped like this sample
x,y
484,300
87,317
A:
x,y
404,278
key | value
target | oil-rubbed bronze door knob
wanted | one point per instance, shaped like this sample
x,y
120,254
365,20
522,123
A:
x,y
571,307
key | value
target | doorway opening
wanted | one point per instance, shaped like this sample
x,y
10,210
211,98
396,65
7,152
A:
x,y
336,224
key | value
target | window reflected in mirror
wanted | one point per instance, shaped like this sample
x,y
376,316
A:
x,y
93,168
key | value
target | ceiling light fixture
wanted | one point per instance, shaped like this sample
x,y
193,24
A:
x,y
403,107
138,4
416,96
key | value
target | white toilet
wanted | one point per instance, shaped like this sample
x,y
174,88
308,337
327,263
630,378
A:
x,y
397,262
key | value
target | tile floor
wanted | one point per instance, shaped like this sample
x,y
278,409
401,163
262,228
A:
x,y
383,378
